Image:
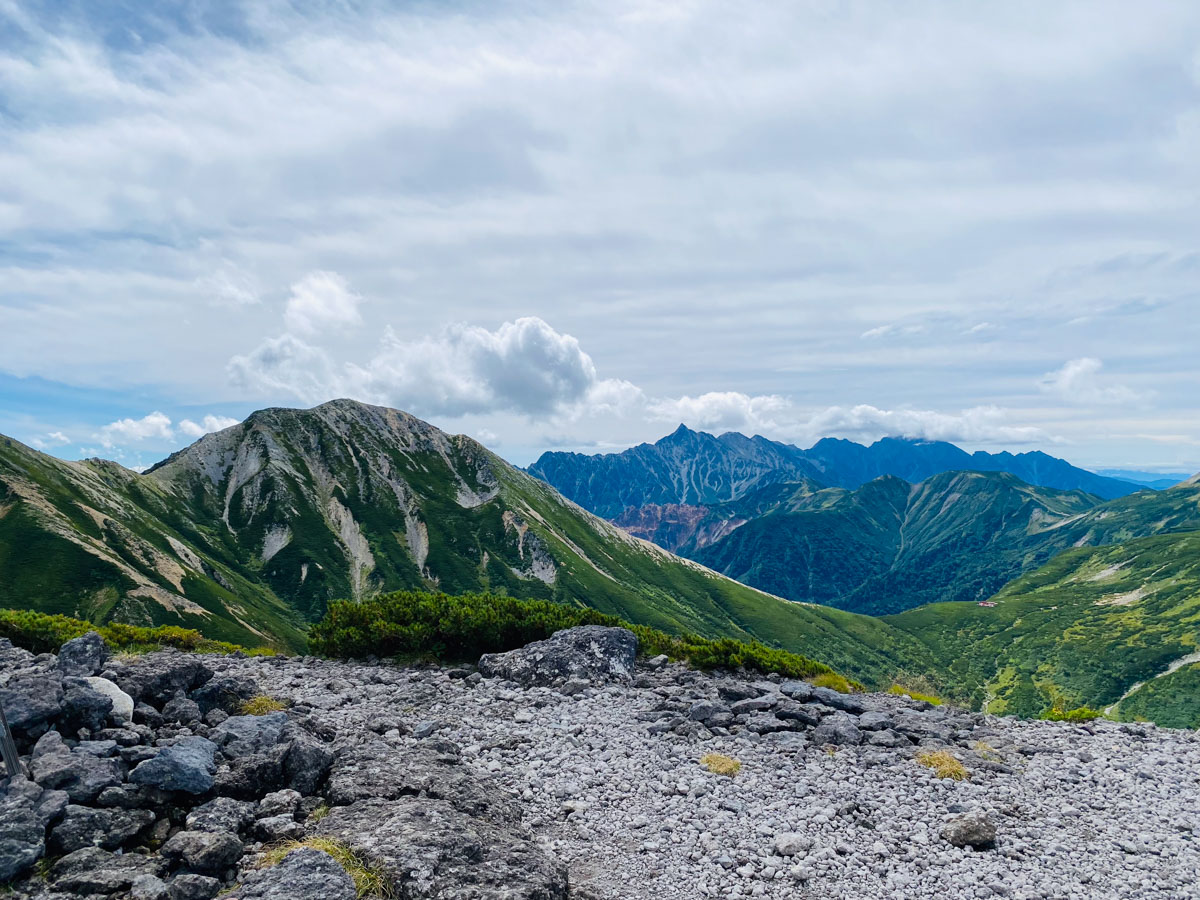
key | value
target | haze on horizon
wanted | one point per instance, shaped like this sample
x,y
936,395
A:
x,y
577,225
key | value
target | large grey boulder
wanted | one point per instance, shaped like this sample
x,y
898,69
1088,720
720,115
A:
x,y
249,735
83,656
31,701
838,729
972,829
157,677
22,837
589,652
94,871
204,852
83,826
429,849
187,765
82,775
379,770
83,706
225,692
302,873
845,702
221,814
122,703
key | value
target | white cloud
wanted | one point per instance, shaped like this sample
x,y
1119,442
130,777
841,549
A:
x,y
230,287
209,424
321,300
53,439
1079,381
979,424
124,431
288,366
723,410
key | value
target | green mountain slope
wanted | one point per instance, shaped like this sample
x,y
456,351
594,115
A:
x,y
255,529
1088,628
890,546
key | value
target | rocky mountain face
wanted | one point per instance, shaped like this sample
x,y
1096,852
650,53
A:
x,y
567,770
250,532
695,468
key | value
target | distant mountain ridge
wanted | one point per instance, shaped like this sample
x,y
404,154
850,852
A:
x,y
696,468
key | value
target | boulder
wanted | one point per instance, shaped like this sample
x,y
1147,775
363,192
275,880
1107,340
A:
x,y
226,693
249,735
83,776
83,656
83,826
193,887
221,814
591,652
188,765
874,720
973,829
302,873
429,849
378,770
182,711
307,762
805,713
838,729
799,691
704,710
204,852
157,677
22,837
93,871
83,706
251,777
31,701
845,702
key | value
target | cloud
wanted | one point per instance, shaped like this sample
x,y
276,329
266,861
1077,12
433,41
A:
x,y
230,287
1079,381
979,424
208,425
723,410
319,301
47,441
126,431
288,366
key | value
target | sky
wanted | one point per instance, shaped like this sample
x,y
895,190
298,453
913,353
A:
x,y
575,225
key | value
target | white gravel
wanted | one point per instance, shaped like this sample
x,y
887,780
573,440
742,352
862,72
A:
x,y
1085,812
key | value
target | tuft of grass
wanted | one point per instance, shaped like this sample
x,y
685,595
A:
x,y
944,764
369,880
833,681
318,814
1078,714
261,705
987,751
901,690
719,764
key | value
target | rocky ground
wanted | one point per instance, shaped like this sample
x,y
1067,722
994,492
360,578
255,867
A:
x,y
564,770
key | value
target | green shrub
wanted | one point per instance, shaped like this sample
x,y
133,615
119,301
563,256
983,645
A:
x,y
461,628
1078,714
42,633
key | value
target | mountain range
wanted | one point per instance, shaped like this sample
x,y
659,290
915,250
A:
x,y
250,532
696,468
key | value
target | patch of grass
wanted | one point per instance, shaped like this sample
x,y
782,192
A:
x,y
833,681
462,627
719,764
318,814
262,705
987,751
904,691
1078,714
369,880
944,764
45,633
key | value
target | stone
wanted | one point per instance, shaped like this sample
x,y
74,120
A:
x,y
592,652
93,870
31,701
845,702
800,691
307,762
703,710
156,678
83,776
805,713
181,710
302,873
973,829
193,887
249,735
148,887
22,838
251,777
226,693
83,656
221,814
187,765
204,852
432,850
887,738
83,706
791,843
279,803
874,720
752,704
83,826
273,829
838,729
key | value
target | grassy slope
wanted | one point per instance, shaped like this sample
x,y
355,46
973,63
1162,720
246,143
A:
x,y
1083,629
644,584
